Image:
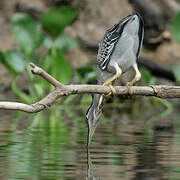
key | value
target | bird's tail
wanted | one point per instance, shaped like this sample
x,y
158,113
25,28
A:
x,y
94,114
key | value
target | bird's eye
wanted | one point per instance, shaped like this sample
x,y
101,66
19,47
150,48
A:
x,y
133,18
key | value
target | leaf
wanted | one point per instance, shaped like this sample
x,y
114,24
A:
x,y
176,27
149,79
27,32
61,69
56,19
1,56
64,42
87,73
21,95
14,61
39,88
82,71
48,42
176,71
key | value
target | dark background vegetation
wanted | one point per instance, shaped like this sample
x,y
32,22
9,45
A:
x,y
62,36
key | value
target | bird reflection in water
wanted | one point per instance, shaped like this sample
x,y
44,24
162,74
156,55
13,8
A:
x,y
91,169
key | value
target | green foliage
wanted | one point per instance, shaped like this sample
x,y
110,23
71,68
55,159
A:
x,y
176,71
176,27
86,73
149,79
27,32
176,33
65,43
21,95
62,70
14,60
30,36
1,57
56,19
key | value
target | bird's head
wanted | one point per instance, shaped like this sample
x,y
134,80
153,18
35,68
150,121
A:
x,y
93,115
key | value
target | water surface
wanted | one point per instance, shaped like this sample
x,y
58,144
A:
x,y
117,152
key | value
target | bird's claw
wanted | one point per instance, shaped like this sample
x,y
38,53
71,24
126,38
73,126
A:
x,y
129,85
112,92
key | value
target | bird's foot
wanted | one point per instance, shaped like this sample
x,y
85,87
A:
x,y
113,91
129,85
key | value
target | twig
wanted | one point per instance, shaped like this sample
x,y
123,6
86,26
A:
x,y
60,90
37,70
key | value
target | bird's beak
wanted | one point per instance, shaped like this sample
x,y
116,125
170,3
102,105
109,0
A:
x,y
90,134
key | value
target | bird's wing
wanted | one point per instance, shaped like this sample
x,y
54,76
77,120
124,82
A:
x,y
140,35
108,42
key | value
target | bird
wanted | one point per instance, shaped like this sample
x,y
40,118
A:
x,y
118,51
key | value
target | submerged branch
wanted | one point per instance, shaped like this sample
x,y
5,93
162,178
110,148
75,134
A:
x,y
60,90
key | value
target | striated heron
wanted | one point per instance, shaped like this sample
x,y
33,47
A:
x,y
118,52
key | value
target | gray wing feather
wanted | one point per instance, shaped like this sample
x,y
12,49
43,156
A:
x,y
108,43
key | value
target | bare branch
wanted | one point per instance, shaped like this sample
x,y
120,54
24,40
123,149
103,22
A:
x,y
37,70
60,90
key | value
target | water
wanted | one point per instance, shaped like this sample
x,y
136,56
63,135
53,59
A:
x,y
117,152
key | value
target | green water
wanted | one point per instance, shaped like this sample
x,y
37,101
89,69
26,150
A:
x,y
118,151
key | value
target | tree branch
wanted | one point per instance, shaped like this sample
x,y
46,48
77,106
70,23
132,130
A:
x,y
37,70
162,91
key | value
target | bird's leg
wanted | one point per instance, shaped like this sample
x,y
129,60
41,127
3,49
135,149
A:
x,y
135,79
113,91
110,80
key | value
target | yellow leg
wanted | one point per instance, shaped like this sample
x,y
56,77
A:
x,y
135,79
113,91
110,81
